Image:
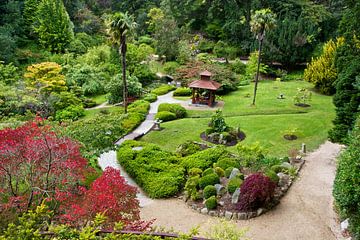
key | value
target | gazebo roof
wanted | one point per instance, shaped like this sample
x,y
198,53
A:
x,y
205,84
206,73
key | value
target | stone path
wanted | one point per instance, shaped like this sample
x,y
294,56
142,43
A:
x,y
108,159
305,212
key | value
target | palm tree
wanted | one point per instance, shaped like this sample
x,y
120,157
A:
x,y
261,21
119,26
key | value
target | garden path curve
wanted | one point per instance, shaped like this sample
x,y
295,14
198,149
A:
x,y
108,159
305,212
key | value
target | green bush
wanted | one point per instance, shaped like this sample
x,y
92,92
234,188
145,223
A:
x,y
178,110
183,91
195,172
139,106
187,148
210,179
219,171
211,203
208,171
163,89
238,67
209,191
158,172
150,97
228,171
204,159
228,162
278,168
272,175
191,187
144,74
165,116
70,113
206,45
233,184
170,67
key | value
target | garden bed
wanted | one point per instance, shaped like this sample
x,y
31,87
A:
x,y
240,137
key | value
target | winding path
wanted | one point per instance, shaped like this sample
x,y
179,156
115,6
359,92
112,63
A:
x,y
305,212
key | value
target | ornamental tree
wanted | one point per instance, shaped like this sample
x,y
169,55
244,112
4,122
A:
x,y
35,162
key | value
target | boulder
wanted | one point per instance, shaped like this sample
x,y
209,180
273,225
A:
x,y
286,165
283,179
220,189
228,215
204,210
235,172
235,196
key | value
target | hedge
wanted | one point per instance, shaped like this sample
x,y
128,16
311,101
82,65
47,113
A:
x,y
183,91
178,110
165,116
204,159
163,89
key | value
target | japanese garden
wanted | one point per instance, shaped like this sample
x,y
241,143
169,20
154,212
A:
x,y
167,119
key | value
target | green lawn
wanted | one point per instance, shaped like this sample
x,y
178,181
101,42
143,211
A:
x,y
93,112
99,99
264,123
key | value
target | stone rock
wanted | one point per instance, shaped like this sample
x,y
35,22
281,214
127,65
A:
x,y
220,189
221,214
221,203
252,214
286,165
204,210
228,215
344,225
242,216
283,179
137,148
298,157
235,196
213,213
235,172
260,211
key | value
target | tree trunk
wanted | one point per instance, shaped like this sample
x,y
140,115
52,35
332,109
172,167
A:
x,y
258,67
122,51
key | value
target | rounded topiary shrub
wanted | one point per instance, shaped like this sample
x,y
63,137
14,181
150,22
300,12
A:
x,y
183,91
219,171
150,97
211,203
210,179
195,172
272,175
228,162
208,171
256,191
209,191
278,168
178,110
234,184
165,116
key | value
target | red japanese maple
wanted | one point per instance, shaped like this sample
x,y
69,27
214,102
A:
x,y
34,163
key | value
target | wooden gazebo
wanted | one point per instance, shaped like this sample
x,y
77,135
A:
x,y
203,90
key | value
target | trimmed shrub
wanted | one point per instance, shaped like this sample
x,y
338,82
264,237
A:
x,y
256,191
228,162
191,187
208,171
150,97
272,175
170,67
140,106
195,172
163,89
178,110
187,148
219,171
209,191
228,171
183,91
233,184
70,113
165,116
204,159
211,203
238,67
278,168
210,179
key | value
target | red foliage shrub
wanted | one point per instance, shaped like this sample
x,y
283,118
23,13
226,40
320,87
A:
x,y
108,194
256,191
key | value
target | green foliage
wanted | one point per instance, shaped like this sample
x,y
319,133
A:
x,y
228,162
115,88
182,91
226,230
150,97
204,159
211,203
210,179
251,67
53,25
209,191
228,171
191,187
163,89
220,172
184,54
139,106
238,67
224,50
165,116
272,175
178,110
156,171
249,154
170,67
206,46
70,113
187,148
217,122
321,71
233,184
144,74
208,171
302,96
8,73
195,172
347,181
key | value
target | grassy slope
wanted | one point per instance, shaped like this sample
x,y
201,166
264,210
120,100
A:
x,y
263,123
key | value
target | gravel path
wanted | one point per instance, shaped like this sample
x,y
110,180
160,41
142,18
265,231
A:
x,y
305,212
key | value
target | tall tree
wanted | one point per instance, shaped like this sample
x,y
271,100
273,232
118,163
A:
x,y
261,21
120,25
53,25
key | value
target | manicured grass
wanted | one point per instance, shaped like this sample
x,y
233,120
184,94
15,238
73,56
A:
x,y
93,112
263,123
99,99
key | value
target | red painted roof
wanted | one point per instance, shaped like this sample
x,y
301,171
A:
x,y
206,73
205,84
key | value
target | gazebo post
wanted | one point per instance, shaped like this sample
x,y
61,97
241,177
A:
x,y
193,95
